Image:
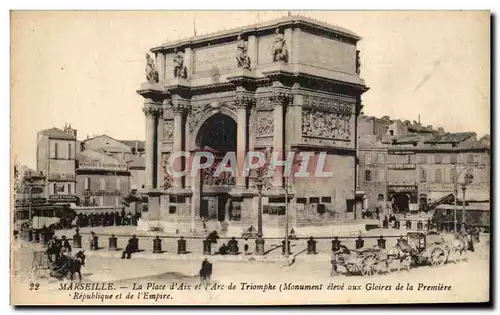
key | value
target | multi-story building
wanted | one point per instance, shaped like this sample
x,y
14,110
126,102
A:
x,y
445,161
421,165
56,152
101,180
29,194
372,170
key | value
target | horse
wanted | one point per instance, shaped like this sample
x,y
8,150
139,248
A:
x,y
205,272
401,252
71,265
458,246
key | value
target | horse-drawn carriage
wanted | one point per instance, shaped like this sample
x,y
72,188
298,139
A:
x,y
363,261
57,263
427,247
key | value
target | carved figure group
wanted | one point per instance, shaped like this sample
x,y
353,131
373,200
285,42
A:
x,y
326,125
151,72
225,178
242,54
180,70
279,52
264,123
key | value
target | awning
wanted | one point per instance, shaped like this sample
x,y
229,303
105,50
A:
x,y
94,210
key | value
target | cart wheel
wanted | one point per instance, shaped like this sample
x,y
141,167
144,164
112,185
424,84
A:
x,y
369,266
438,256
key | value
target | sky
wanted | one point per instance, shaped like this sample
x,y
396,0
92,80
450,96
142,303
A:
x,y
84,67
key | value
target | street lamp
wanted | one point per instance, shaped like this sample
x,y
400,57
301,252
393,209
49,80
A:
x,y
468,178
259,241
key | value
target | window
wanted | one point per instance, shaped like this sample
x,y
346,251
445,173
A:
x,y
470,159
118,183
301,200
56,148
326,199
368,158
453,159
437,158
391,132
69,188
321,209
375,158
423,175
453,175
314,200
374,176
380,158
438,176
429,159
422,159
103,183
350,203
381,175
87,183
54,188
380,197
368,175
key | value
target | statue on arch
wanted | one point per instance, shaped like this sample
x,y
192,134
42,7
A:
x,y
151,72
280,52
242,54
180,70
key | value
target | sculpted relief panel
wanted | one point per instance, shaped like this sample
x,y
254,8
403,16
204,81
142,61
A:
x,y
223,56
326,125
264,123
168,130
167,180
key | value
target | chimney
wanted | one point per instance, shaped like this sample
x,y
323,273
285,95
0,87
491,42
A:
x,y
136,145
441,130
429,127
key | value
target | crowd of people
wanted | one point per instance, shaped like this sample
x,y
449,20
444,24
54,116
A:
x,y
106,219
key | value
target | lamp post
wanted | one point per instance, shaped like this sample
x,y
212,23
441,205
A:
x,y
464,188
287,249
259,241
468,178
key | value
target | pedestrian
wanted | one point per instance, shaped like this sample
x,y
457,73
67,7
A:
x,y
246,246
127,253
66,247
92,244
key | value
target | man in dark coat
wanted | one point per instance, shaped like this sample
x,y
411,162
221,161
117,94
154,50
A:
x,y
127,253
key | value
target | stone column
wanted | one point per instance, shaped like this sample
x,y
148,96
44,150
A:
x,y
151,119
242,103
279,101
179,108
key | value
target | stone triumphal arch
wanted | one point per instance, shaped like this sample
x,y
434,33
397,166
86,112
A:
x,y
288,85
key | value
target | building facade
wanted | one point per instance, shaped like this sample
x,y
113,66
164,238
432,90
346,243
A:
x,y
56,154
287,85
421,165
101,180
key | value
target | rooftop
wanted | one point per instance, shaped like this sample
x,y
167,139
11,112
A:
x,y
451,137
57,133
133,143
281,22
